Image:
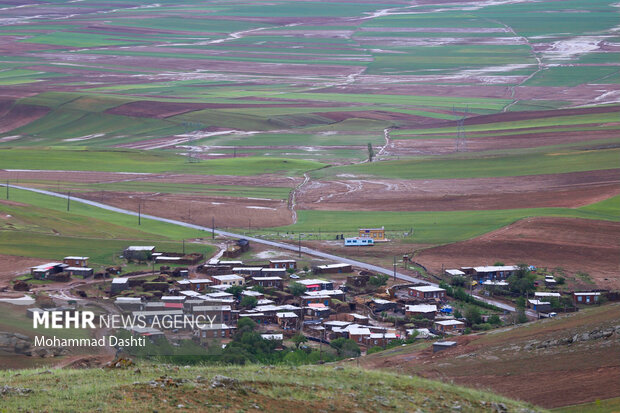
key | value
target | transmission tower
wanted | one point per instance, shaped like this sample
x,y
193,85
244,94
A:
x,y
461,141
191,130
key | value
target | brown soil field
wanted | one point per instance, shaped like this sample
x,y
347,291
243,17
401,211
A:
x,y
227,211
430,146
573,244
13,116
110,177
551,377
13,266
554,190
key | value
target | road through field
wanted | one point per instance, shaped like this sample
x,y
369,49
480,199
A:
x,y
275,244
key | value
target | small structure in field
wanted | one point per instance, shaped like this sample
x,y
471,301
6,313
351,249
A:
x,y
358,242
119,284
139,252
443,345
333,268
76,261
376,234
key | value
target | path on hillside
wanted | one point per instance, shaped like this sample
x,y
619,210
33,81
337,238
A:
x,y
282,245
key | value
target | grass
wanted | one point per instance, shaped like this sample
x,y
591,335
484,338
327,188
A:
x,y
597,406
437,227
257,387
479,166
44,229
146,162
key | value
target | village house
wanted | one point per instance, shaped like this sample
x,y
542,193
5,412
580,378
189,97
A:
x,y
43,271
379,304
287,320
119,284
539,305
427,311
127,304
269,282
195,284
316,299
229,279
139,252
248,271
317,285
166,319
333,269
542,294
251,293
380,339
376,234
286,264
316,311
586,297
333,294
359,334
426,292
206,332
76,261
455,273
218,314
273,272
449,326
79,271
493,272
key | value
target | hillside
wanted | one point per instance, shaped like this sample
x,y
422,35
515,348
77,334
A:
x,y
236,389
568,360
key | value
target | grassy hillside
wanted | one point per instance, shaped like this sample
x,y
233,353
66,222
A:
x,y
556,362
249,388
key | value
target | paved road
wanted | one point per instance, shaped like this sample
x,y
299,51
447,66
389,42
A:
x,y
282,245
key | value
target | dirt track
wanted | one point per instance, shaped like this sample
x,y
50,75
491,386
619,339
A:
x,y
560,190
572,244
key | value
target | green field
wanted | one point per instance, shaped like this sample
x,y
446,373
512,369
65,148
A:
x,y
439,227
463,166
146,162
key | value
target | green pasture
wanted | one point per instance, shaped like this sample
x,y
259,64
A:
x,y
168,188
481,166
434,227
50,215
551,121
146,162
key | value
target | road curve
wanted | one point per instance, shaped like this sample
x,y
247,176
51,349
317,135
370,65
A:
x,y
282,245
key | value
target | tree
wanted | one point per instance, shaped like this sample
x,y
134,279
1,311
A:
x,y
472,314
371,152
248,302
235,290
345,347
378,280
297,289
522,281
458,281
495,320
299,339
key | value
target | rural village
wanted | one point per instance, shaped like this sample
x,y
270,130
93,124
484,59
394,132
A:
x,y
289,305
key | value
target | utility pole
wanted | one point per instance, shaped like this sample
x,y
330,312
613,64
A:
x,y
299,244
7,189
394,267
68,200
139,213
184,246
212,227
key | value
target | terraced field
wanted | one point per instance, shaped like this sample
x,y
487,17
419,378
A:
x,y
259,116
